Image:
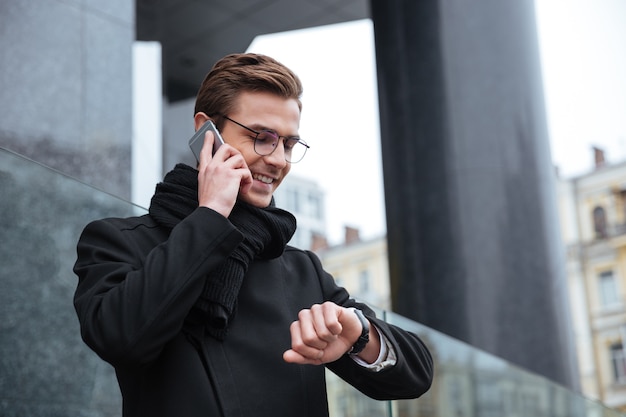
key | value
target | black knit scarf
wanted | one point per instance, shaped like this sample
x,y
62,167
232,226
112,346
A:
x,y
266,232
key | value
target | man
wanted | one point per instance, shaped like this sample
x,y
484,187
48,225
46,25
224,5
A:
x,y
202,308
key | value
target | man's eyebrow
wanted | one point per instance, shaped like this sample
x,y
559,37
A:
x,y
258,126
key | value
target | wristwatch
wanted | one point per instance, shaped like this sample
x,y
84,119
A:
x,y
365,333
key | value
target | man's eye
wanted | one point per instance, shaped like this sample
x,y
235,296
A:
x,y
266,137
290,143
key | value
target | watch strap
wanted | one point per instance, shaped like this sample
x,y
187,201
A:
x,y
359,345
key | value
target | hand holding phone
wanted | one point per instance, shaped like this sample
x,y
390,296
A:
x,y
197,140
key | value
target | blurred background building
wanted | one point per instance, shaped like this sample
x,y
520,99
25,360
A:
x,y
306,200
360,266
592,210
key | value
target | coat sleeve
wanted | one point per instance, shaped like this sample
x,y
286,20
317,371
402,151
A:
x,y
136,283
412,374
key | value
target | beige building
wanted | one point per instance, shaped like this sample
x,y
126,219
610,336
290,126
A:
x,y
358,265
592,210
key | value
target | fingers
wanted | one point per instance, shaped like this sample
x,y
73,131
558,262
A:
x,y
246,181
316,335
206,154
221,176
301,352
320,324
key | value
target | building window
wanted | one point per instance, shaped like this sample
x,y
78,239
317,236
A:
x,y
608,289
291,197
599,223
364,282
618,360
315,206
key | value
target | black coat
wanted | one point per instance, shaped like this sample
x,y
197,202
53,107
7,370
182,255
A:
x,y
137,283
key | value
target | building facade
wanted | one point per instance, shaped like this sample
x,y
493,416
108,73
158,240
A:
x,y
593,226
361,267
304,198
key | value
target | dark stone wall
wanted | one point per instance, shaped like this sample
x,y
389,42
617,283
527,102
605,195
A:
x,y
474,249
66,85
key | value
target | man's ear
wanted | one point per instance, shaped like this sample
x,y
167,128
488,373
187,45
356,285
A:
x,y
199,119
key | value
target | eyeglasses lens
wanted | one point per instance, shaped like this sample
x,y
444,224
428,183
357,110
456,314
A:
x,y
266,142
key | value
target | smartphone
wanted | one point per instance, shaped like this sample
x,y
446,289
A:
x,y
197,140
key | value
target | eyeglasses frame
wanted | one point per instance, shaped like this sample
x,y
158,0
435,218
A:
x,y
257,133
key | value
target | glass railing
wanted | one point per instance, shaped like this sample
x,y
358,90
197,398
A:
x,y
46,370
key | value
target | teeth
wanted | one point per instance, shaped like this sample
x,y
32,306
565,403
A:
x,y
263,178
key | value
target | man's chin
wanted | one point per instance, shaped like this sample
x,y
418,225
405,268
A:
x,y
256,200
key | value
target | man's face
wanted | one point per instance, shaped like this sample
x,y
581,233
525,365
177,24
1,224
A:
x,y
258,111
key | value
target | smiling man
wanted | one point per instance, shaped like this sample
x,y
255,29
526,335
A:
x,y
201,306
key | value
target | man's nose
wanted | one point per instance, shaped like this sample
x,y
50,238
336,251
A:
x,y
277,157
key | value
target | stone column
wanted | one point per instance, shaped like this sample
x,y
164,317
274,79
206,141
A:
x,y
474,248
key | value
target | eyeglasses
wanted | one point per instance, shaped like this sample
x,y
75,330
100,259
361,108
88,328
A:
x,y
266,141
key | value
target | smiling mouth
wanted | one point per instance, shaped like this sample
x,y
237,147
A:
x,y
263,178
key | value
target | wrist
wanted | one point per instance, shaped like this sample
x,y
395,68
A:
x,y
364,338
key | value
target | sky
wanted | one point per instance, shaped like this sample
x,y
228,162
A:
x,y
339,120
583,52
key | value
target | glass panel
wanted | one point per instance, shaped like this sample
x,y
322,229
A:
x,y
45,369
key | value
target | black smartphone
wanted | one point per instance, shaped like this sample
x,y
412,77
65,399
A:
x,y
197,140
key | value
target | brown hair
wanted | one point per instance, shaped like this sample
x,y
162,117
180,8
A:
x,y
244,72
